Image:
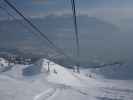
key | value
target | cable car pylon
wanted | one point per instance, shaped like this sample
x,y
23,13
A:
x,y
76,68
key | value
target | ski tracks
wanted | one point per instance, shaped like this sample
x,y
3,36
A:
x,y
46,94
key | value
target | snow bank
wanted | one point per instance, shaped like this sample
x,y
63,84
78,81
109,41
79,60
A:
x,y
58,74
3,62
3,65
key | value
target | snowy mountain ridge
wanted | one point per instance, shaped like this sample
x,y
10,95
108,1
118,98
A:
x,y
59,83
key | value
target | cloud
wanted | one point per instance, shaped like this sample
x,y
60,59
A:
x,y
48,2
107,13
40,1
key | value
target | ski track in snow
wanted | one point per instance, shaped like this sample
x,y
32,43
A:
x,y
106,93
89,89
46,94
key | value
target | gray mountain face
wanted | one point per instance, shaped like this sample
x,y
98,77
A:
x,y
122,72
60,29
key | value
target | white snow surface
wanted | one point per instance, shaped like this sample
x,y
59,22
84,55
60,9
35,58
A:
x,y
3,62
60,84
59,74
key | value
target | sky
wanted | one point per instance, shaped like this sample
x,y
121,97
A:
x,y
117,8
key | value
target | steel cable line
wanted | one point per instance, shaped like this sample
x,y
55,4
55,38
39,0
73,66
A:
x,y
13,17
75,26
76,33
21,23
59,50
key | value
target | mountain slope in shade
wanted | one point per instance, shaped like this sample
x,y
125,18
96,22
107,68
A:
x,y
57,28
60,29
123,72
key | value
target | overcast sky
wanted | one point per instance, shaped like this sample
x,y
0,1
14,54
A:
x,y
99,8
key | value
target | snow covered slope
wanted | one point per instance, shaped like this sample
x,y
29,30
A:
x,y
3,62
59,74
4,65
59,84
